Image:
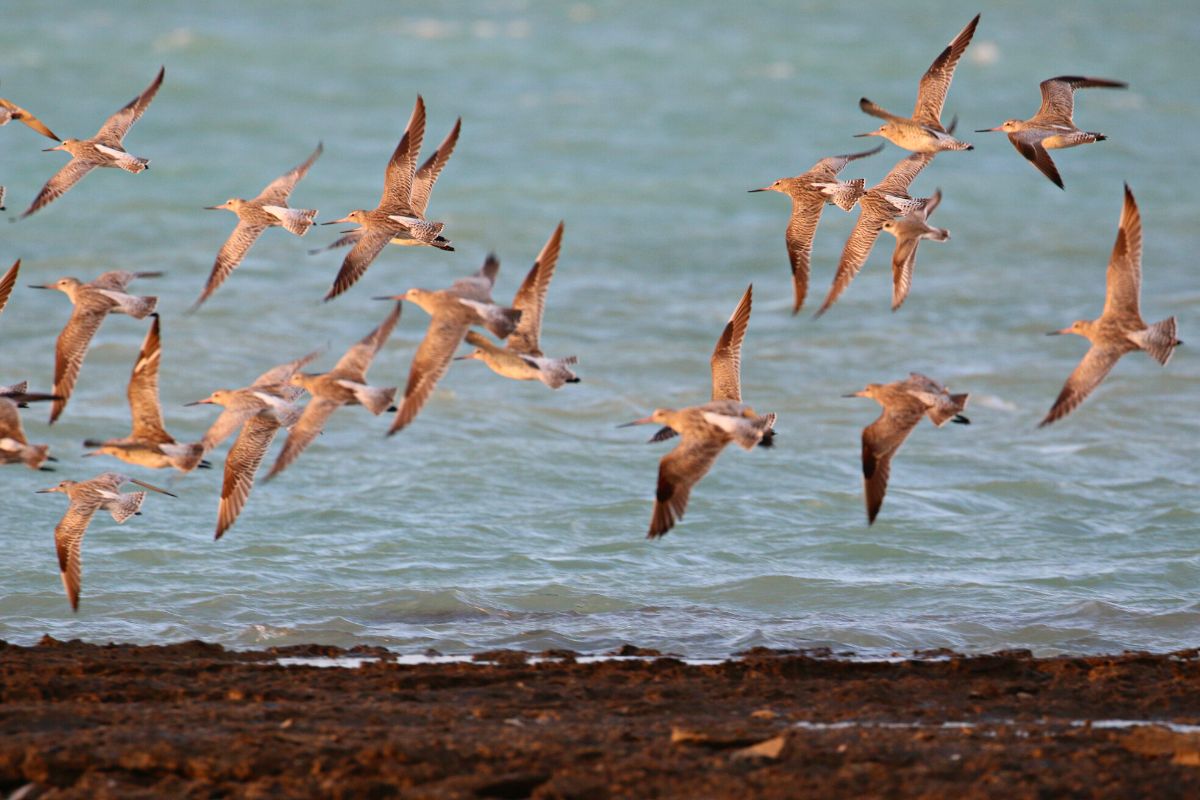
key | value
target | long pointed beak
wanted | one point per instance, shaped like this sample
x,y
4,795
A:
x,y
403,296
764,189
642,421
336,221
152,487
46,491
987,130
37,286
1058,333
855,394
463,358
214,208
868,133
51,149
198,402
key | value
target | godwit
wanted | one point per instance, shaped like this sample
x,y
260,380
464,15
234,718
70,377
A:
x,y
923,132
395,216
86,498
810,191
8,282
10,111
105,149
909,230
14,447
260,410
268,209
1052,127
18,394
706,429
345,384
1119,329
882,202
93,301
452,312
904,403
422,186
149,444
521,358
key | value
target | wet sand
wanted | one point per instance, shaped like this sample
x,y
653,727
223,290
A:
x,y
195,720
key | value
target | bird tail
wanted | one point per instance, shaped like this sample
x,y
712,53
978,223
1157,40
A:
x,y
127,506
375,399
34,455
502,321
293,220
185,457
1159,340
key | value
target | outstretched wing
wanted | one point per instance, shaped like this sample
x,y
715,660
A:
x,y
832,165
935,83
902,175
1058,97
854,255
277,191
398,178
22,115
880,441
143,390
59,183
72,346
678,471
530,299
1029,144
1125,265
726,359
369,245
113,131
427,173
801,229
8,282
244,235
68,541
310,424
1096,364
241,463
429,364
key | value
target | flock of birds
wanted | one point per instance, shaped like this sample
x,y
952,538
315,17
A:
x,y
257,412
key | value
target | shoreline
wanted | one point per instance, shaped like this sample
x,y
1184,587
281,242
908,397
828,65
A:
x,y
196,719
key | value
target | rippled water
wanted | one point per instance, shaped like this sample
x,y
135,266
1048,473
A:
x,y
509,515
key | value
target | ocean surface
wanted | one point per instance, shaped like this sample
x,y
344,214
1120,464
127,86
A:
x,y
509,515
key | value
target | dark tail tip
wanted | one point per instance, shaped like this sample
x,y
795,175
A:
x,y
576,380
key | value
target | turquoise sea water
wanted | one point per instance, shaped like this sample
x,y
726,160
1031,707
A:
x,y
510,515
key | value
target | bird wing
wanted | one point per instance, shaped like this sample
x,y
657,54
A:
x,y
243,237
902,174
880,441
1124,278
854,255
935,83
113,131
10,421
357,360
315,415
726,359
1058,97
22,115
8,282
369,245
240,465
72,345
801,229
1029,144
931,204
398,178
878,111
278,377
427,173
530,299
71,173
832,165
277,191
429,364
678,471
1096,364
904,257
68,541
143,391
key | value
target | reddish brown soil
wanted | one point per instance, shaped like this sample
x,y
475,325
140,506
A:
x,y
194,720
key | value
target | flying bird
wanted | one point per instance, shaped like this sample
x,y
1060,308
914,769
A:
x,y
1119,329
923,132
1052,127
706,429
909,230
105,149
86,498
345,384
904,403
882,202
810,191
14,447
521,358
10,111
148,444
93,301
268,209
452,312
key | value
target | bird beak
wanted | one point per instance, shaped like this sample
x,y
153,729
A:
x,y
46,491
1058,333
214,208
856,394
987,130
868,133
152,487
51,149
642,421
391,297
764,189
199,402
36,286
336,221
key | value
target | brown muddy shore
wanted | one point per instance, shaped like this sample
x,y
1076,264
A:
x,y
196,720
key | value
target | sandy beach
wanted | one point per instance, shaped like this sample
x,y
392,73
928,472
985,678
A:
x,y
197,720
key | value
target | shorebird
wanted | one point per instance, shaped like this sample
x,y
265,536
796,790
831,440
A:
x,y
394,217
904,403
18,393
93,301
1119,329
923,132
149,444
268,209
422,186
882,202
86,498
452,312
14,447
521,358
10,111
1052,127
8,282
707,428
909,230
3,191
345,384
105,149
260,410
810,191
